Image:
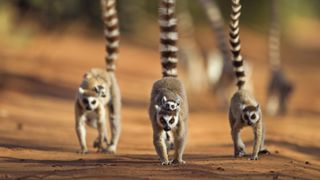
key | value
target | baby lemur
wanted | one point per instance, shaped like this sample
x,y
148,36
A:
x,y
99,94
244,108
168,108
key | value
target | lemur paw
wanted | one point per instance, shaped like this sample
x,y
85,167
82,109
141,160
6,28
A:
x,y
83,151
264,152
165,163
240,153
111,149
96,144
253,158
178,162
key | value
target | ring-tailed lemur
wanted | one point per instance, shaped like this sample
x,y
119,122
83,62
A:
x,y
99,91
244,108
219,67
168,108
279,88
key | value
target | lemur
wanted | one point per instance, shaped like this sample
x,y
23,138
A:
x,y
244,108
279,87
168,109
219,67
99,94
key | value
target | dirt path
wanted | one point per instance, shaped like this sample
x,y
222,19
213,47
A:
x,y
38,141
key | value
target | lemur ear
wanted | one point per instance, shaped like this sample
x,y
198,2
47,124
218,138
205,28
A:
x,y
158,108
87,75
258,106
81,90
163,100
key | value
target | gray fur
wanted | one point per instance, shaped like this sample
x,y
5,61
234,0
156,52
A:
x,y
243,99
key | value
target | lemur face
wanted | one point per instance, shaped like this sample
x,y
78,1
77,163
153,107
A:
x,y
89,100
250,115
168,113
101,90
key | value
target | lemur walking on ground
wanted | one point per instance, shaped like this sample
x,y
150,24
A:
x,y
99,91
244,108
279,87
168,108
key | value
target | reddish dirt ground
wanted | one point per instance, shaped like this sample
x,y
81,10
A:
x,y
38,140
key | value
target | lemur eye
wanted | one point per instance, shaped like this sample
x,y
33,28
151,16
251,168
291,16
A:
x,y
246,117
163,121
94,102
100,87
253,116
171,121
85,101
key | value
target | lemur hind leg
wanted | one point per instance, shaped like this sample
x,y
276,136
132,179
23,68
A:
x,y
180,139
114,116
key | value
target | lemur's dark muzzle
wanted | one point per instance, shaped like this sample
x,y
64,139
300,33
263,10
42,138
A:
x,y
167,128
88,108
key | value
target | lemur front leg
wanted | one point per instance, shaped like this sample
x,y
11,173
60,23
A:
x,y
160,146
239,147
114,116
180,140
258,136
81,133
102,132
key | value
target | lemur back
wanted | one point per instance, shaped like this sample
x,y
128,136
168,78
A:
x,y
168,109
244,108
279,87
99,94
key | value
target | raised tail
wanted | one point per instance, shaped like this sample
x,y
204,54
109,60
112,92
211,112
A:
x,y
111,32
274,37
237,59
168,38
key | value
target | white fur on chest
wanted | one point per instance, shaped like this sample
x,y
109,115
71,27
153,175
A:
x,y
91,118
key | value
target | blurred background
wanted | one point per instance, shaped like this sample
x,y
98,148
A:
x,y
47,45
23,19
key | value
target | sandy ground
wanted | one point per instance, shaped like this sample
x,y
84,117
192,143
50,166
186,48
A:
x,y
38,140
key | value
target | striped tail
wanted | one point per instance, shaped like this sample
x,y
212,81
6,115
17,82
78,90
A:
x,y
168,38
214,14
111,32
237,59
274,37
